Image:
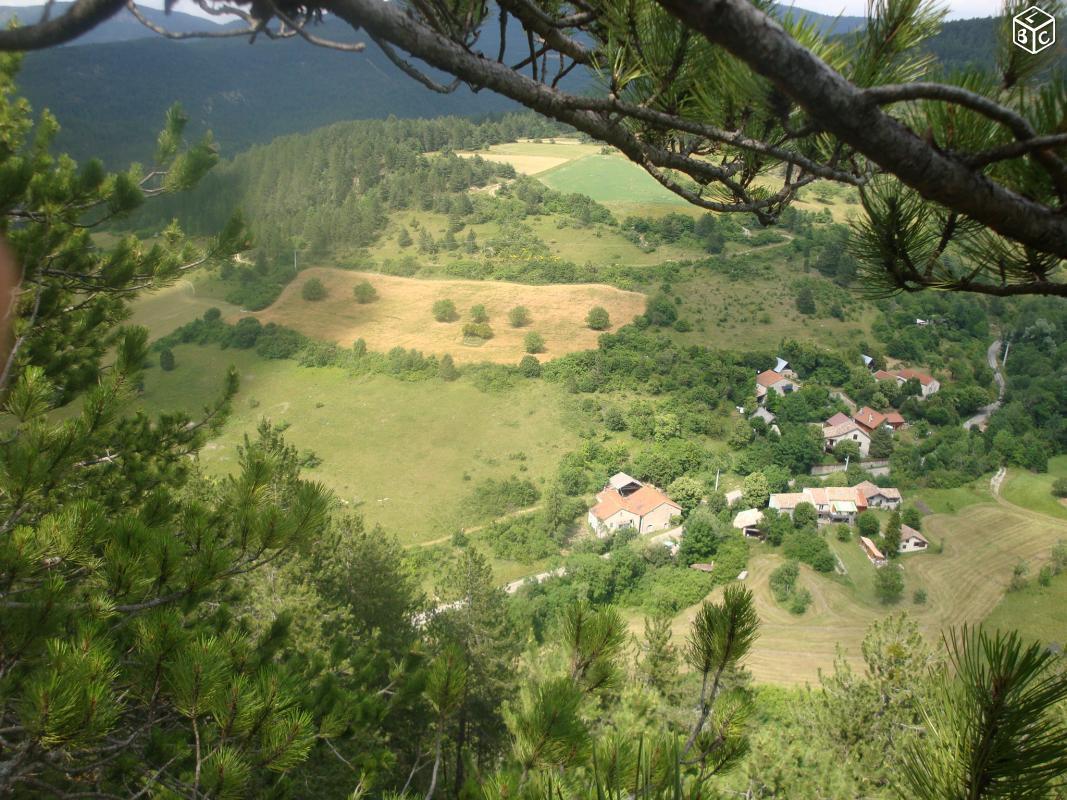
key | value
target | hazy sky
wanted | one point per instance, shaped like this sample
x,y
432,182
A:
x,y
958,9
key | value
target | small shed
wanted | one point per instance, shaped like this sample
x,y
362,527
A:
x,y
709,567
748,522
734,496
873,553
624,484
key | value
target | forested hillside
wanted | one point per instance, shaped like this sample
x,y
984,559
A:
x,y
250,95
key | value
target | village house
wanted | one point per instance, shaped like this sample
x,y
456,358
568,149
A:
x,y
846,431
878,496
627,503
734,496
836,419
748,522
837,503
869,419
911,540
771,381
895,420
927,383
872,552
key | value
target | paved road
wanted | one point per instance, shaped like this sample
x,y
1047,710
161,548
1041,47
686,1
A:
x,y
981,419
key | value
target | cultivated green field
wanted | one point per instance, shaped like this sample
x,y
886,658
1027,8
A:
x,y
405,454
609,179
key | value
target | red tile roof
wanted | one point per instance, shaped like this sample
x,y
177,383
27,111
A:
x,y
769,377
644,500
836,419
921,377
895,418
869,418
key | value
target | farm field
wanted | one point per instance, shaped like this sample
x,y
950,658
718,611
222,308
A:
x,y
401,316
1036,612
531,158
1034,491
964,584
609,179
406,455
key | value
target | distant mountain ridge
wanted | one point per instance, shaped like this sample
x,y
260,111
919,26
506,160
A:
x,y
122,27
110,94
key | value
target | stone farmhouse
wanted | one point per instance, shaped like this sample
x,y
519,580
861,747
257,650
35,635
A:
x,y
627,503
748,522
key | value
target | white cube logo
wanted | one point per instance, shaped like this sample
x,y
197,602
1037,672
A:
x,y
1034,30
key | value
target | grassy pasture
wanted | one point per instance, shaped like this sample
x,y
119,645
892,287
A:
x,y
397,451
1034,491
964,584
1036,612
759,310
172,306
402,314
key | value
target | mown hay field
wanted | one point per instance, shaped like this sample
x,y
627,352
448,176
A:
x,y
534,157
964,584
402,314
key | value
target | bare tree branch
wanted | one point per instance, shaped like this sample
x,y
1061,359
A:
x,y
83,15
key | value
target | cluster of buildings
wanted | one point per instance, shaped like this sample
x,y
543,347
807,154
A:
x,y
927,383
832,504
628,503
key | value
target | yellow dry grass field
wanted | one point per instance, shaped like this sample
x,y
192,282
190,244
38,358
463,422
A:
x,y
963,584
402,316
533,158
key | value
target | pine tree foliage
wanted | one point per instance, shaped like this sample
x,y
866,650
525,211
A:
x,y
119,672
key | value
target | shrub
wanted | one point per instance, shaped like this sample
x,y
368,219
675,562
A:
x,y
478,330
519,316
364,292
801,601
844,533
867,524
533,342
212,314
805,516
784,580
919,597
811,548
166,359
446,368
806,301
479,314
530,367
1018,576
598,318
444,311
682,326
1059,487
1044,576
313,290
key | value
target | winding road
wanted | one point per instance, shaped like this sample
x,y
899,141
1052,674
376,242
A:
x,y
981,419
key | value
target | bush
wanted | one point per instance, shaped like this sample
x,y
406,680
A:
x,y
479,314
1018,576
806,301
492,498
844,533
313,290
919,597
530,367
212,314
867,524
801,601
598,319
364,292
533,342
783,581
811,548
1044,576
1059,487
519,316
166,359
445,311
478,330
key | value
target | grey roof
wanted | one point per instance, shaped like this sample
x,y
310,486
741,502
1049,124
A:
x,y
867,360
621,479
782,364
764,415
